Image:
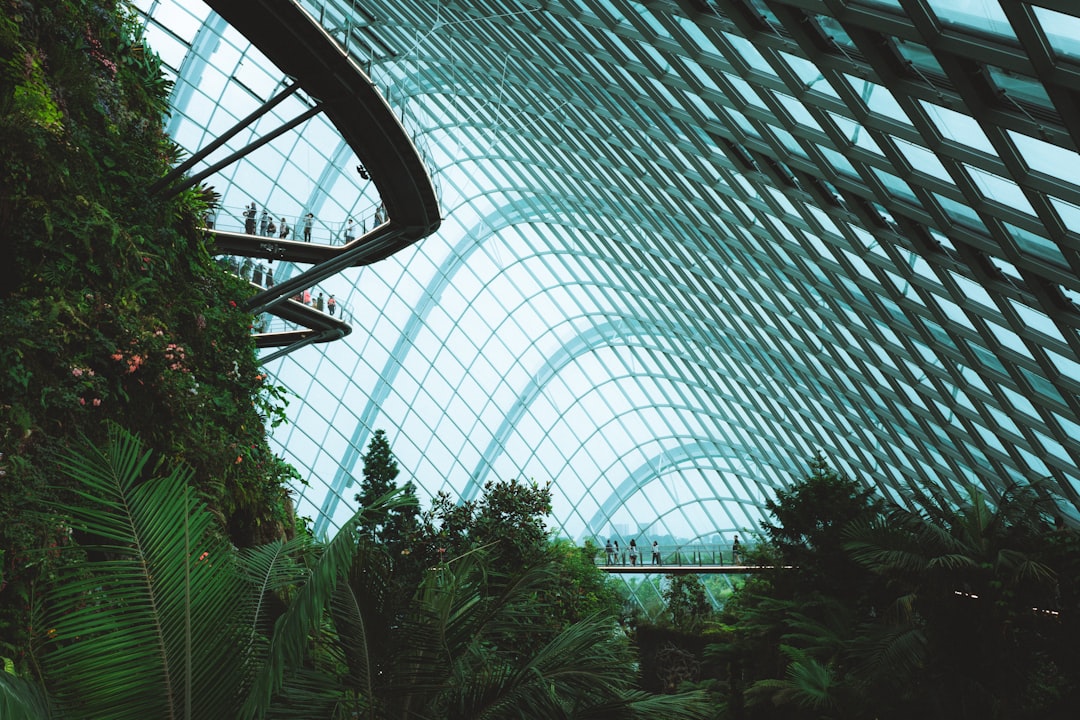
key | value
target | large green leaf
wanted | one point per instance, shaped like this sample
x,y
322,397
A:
x,y
144,628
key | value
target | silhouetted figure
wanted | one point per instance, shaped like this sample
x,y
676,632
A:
x,y
633,552
319,303
249,219
736,552
308,220
655,553
350,231
284,229
330,305
257,276
610,550
264,220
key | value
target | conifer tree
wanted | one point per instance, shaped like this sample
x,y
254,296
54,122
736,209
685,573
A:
x,y
395,527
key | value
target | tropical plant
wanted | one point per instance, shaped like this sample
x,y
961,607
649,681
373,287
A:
x,y
439,661
146,626
972,590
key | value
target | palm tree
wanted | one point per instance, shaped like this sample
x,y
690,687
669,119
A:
x,y
965,582
146,625
452,655
165,619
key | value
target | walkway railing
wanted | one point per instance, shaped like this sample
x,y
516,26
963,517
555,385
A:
x,y
676,555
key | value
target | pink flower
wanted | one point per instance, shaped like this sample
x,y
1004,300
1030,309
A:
x,y
97,402
77,372
82,401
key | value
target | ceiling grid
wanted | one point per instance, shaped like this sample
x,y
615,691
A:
x,y
742,230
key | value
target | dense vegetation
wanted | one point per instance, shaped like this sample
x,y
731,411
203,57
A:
x,y
111,309
933,609
150,565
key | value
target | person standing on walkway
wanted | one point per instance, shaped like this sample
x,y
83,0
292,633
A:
x,y
633,551
249,219
331,303
736,552
350,232
308,220
319,303
264,220
610,552
655,553
284,229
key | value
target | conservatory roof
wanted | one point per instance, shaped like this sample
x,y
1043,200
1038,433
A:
x,y
685,245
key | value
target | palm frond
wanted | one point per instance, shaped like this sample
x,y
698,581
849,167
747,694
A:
x,y
292,630
267,571
807,683
138,632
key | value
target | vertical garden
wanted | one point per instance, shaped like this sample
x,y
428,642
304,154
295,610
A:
x,y
111,310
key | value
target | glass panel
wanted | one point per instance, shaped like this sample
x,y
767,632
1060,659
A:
x,y
878,99
922,159
1063,31
749,54
1019,88
1053,160
1000,189
957,127
985,15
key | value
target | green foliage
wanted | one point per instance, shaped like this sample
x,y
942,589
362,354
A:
x,y
508,519
932,609
139,628
437,661
687,604
580,588
397,528
111,309
810,520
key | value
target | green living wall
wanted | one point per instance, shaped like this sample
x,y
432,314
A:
x,y
111,308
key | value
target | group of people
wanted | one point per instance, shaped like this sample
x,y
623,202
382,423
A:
x,y
268,228
264,225
261,275
615,555
613,552
327,305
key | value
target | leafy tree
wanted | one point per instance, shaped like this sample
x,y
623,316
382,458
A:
x,y
439,661
111,308
507,519
810,519
971,587
148,622
814,607
687,603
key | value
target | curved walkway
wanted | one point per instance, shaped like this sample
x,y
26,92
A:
x,y
302,49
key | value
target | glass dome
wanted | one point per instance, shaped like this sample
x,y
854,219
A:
x,y
685,246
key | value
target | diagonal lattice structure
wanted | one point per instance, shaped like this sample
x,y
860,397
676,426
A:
x,y
686,245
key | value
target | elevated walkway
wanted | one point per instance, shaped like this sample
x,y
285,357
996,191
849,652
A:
x,y
302,49
687,569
